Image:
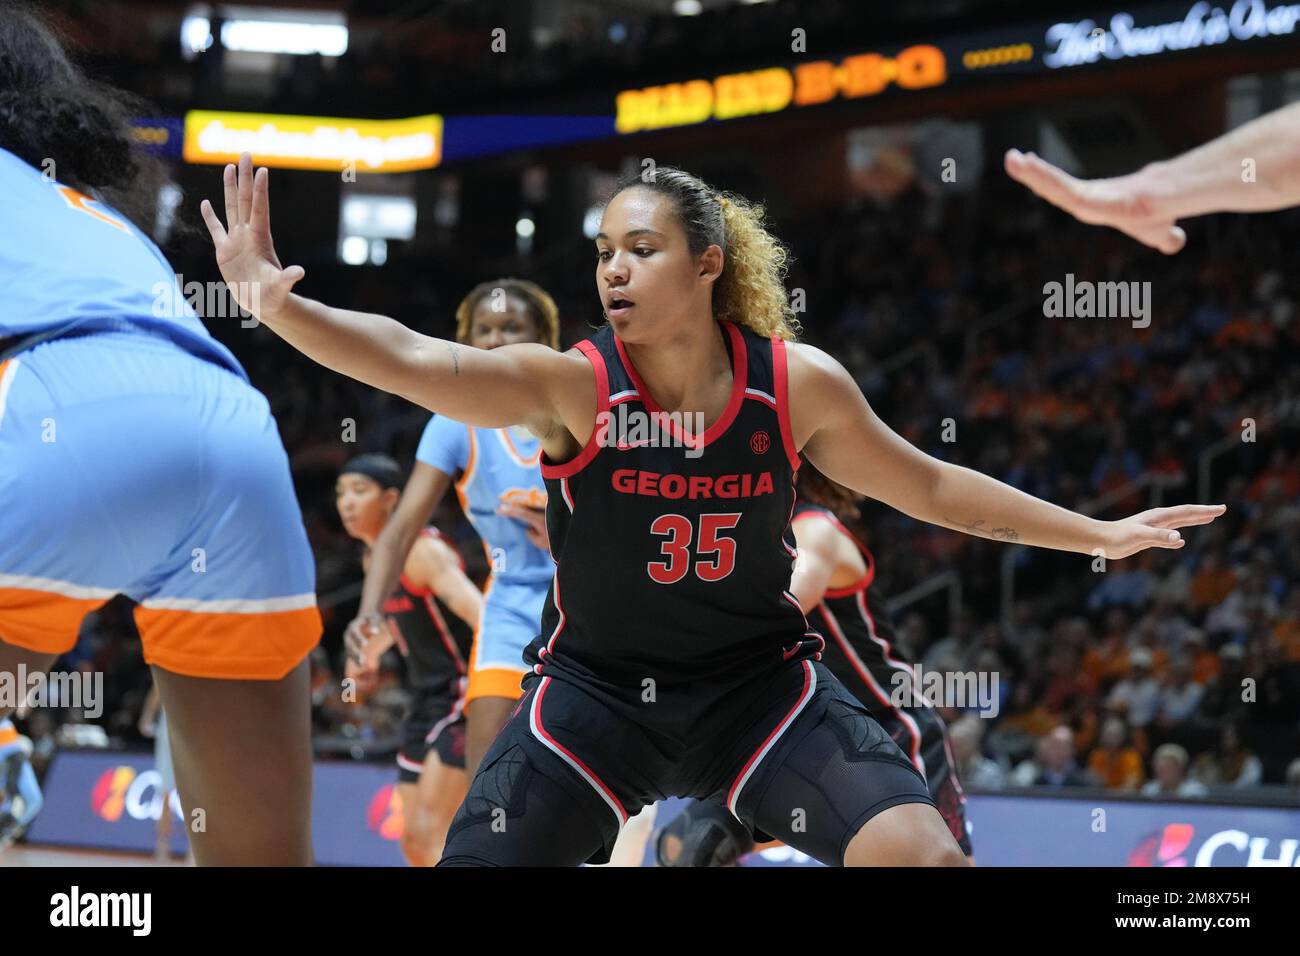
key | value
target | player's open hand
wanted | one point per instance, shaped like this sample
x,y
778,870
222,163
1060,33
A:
x,y
1121,203
1157,528
360,637
245,253
534,520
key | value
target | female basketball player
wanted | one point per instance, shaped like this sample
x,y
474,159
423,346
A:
x,y
833,576
135,458
673,660
496,475
429,614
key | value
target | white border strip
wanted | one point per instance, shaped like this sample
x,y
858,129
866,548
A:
x,y
535,727
64,588
295,602
772,741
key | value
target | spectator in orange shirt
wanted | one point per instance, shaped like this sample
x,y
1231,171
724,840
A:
x,y
1028,715
1286,633
1165,463
1205,662
1116,764
1281,473
1085,722
1066,680
1106,662
1211,584
1244,329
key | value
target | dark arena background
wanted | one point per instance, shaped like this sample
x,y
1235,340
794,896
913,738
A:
x,y
1142,712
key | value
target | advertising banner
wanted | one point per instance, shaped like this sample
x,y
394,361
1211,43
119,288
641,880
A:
x,y
111,801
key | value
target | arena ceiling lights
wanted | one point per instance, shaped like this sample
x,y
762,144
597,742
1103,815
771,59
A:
x,y
1010,53
265,30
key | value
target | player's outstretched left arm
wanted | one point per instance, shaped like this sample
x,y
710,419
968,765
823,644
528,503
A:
x,y
839,433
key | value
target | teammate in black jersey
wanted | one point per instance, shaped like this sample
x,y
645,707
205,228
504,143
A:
x,y
430,616
833,575
673,660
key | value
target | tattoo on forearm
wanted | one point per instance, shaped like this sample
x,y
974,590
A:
x,y
977,527
455,359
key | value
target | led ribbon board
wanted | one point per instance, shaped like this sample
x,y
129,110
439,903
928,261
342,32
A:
x,y
771,90
1149,31
314,142
1193,26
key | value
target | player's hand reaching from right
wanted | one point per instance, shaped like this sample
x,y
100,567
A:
x,y
1127,203
245,253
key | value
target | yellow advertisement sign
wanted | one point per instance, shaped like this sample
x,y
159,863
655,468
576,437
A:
x,y
314,142
775,89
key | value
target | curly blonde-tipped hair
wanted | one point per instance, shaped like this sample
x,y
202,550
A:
x,y
751,289
540,306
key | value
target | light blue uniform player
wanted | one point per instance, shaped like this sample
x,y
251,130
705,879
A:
x,y
497,467
20,794
135,457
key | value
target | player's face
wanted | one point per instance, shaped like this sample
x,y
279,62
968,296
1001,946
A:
x,y
647,280
363,506
501,320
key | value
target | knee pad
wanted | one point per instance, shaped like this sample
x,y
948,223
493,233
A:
x,y
708,835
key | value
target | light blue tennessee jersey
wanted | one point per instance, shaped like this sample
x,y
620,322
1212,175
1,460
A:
x,y
496,466
70,262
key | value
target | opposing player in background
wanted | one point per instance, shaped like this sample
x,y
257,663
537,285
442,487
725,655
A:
x,y
429,615
673,661
498,481
20,793
136,458
833,575
1254,168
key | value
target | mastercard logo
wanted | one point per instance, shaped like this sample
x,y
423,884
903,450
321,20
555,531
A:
x,y
122,793
384,815
108,796
1164,848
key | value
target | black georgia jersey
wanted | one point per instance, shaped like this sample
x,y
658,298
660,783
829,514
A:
x,y
674,559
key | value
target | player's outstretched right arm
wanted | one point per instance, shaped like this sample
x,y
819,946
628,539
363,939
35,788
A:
x,y
506,386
